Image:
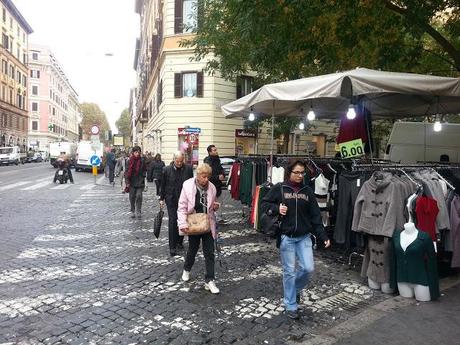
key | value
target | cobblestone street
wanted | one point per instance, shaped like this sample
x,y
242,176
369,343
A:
x,y
95,276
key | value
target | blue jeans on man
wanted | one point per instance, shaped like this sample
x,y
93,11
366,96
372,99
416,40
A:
x,y
295,278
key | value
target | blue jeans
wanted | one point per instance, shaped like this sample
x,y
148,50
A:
x,y
294,280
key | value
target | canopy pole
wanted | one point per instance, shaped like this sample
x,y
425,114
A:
x,y
271,141
367,118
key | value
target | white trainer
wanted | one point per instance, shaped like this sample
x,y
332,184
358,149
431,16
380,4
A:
x,y
211,286
185,276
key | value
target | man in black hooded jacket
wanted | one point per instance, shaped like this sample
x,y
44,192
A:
x,y
217,175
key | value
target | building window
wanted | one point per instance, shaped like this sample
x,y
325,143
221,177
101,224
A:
x,y
4,15
188,84
12,71
34,73
19,74
190,15
244,86
5,41
35,90
159,94
185,17
34,106
4,67
34,55
24,80
35,125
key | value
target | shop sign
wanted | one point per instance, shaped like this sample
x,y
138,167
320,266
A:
x,y
353,148
190,130
245,133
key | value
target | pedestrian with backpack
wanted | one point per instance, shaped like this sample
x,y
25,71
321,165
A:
x,y
300,215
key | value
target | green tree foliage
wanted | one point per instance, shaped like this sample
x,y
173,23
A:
x,y
289,39
93,115
124,124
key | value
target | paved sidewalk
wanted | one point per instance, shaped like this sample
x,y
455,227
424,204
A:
x,y
96,276
401,321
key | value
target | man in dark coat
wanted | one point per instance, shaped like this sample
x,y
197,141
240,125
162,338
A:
x,y
217,175
111,162
172,179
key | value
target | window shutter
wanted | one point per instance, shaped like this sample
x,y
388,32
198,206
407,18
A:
x,y
178,16
38,74
239,92
177,85
199,84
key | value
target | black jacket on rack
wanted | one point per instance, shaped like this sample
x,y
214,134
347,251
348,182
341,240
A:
x,y
303,214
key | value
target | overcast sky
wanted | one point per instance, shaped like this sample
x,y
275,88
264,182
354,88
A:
x,y
80,33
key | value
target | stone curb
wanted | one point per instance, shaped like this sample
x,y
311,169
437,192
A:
x,y
369,316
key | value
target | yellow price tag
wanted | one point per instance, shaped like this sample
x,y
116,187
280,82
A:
x,y
94,171
353,148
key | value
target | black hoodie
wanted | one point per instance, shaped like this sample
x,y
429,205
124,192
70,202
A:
x,y
303,215
217,169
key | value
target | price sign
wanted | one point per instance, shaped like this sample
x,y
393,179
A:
x,y
353,148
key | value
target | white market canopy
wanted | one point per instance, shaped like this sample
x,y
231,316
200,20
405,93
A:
x,y
384,94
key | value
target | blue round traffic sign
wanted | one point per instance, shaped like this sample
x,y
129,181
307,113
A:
x,y
95,160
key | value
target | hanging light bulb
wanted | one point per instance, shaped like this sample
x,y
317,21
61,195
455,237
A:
x,y
251,117
437,127
351,114
301,126
311,115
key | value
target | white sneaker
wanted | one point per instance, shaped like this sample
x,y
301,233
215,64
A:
x,y
186,276
211,286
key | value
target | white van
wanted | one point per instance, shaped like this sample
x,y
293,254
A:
x,y
68,148
11,155
85,150
412,142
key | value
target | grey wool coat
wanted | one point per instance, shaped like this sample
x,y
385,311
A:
x,y
379,207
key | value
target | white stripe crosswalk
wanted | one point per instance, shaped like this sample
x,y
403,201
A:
x,y
38,185
44,184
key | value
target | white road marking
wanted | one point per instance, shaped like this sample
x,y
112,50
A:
x,y
11,186
62,186
38,185
88,186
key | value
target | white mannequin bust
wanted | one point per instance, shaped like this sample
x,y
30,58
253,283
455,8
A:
x,y
421,292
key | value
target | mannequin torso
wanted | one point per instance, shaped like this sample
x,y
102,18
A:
x,y
420,292
409,235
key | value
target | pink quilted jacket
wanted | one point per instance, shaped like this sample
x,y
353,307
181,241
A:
x,y
187,205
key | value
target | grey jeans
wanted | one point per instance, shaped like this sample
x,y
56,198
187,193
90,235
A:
x,y
135,198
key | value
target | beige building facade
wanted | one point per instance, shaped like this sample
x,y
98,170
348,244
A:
x,y
177,106
53,103
14,77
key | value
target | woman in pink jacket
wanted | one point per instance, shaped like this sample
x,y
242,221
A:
x,y
199,196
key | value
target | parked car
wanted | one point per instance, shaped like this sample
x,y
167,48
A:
x,y
227,162
33,157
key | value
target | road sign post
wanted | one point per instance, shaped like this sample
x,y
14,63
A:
x,y
95,162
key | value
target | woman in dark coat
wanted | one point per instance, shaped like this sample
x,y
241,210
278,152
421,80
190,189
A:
x,y
156,170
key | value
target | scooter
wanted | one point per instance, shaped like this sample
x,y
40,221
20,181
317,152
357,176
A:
x,y
61,173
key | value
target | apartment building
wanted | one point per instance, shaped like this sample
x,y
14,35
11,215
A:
x,y
53,103
177,106
13,90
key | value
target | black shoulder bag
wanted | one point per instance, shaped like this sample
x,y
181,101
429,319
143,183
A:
x,y
270,224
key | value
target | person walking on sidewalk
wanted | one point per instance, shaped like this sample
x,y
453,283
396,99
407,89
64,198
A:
x,y
301,217
111,162
174,175
156,169
217,176
122,166
135,181
199,196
